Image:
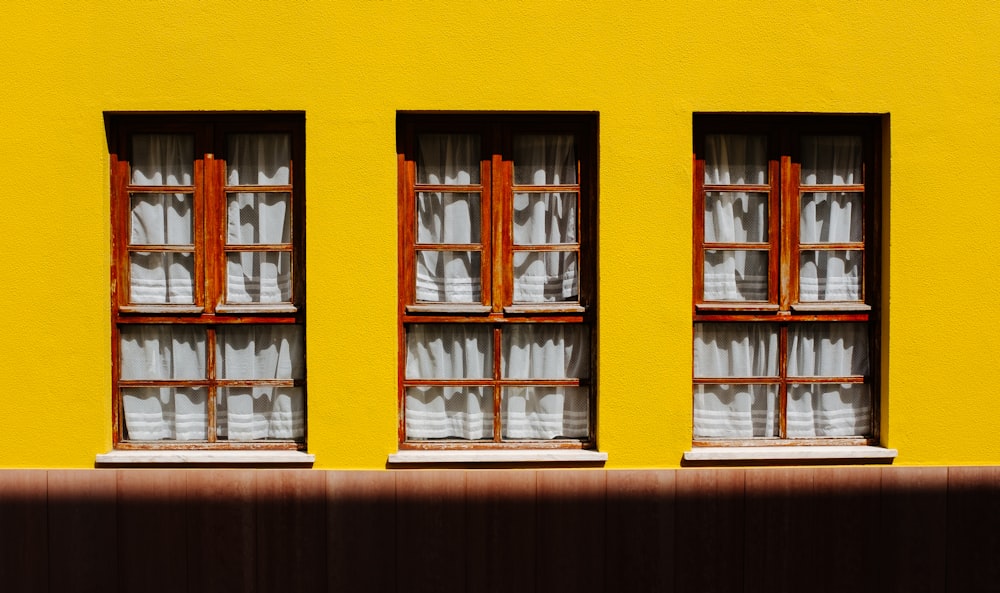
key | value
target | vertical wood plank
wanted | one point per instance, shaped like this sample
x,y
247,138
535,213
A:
x,y
914,527
973,529
430,531
152,530
221,543
500,532
82,530
846,534
640,538
24,559
361,531
291,531
709,530
571,530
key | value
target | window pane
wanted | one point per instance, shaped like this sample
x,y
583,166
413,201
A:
x,y
546,351
162,352
736,411
445,217
732,217
161,278
449,351
260,352
541,412
448,159
829,410
831,159
828,350
544,159
258,218
545,218
449,276
732,159
736,275
449,413
259,159
259,277
735,350
831,217
161,219
163,413
830,275
545,276
162,159
253,413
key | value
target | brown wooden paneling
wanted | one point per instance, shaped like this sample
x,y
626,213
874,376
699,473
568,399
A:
x,y
571,530
640,536
82,530
24,542
430,531
973,529
221,542
845,528
500,530
291,531
152,530
361,531
913,529
710,525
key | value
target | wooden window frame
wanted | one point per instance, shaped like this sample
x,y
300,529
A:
x,y
209,310
497,308
783,308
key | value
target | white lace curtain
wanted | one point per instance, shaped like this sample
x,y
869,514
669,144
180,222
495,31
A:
x,y
750,350
465,351
170,352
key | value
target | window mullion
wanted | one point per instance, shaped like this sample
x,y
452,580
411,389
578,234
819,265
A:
x,y
213,384
211,234
497,376
788,198
783,384
501,274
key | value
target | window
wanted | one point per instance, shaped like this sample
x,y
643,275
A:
x,y
208,280
497,299
786,268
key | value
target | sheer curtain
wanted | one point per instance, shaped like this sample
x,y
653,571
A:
x,y
258,218
735,217
162,219
831,217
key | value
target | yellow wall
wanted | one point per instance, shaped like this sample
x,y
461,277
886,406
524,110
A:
x,y
645,67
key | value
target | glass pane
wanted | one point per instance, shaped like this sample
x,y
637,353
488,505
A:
x,y
829,410
162,159
831,159
449,276
735,350
736,411
733,217
546,351
828,350
445,217
260,352
163,413
830,275
544,159
259,159
161,278
259,218
736,275
259,277
254,413
732,159
831,217
162,219
448,159
545,276
541,412
449,351
162,352
449,413
545,218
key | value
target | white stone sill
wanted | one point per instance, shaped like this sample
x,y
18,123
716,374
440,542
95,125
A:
x,y
566,456
791,454
196,458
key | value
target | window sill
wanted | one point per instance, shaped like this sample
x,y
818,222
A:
x,y
790,454
205,458
551,456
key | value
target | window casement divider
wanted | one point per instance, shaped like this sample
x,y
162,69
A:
x,y
503,291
